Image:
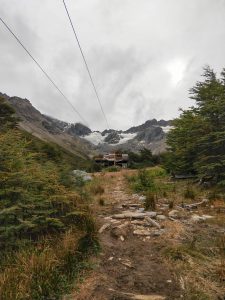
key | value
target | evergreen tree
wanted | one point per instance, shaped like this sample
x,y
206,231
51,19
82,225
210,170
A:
x,y
197,142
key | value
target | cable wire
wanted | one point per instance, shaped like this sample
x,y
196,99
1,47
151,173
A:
x,y
86,64
45,73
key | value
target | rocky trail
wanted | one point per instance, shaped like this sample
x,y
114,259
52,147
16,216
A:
x,y
130,265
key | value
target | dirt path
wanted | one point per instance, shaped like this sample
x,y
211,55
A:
x,y
129,266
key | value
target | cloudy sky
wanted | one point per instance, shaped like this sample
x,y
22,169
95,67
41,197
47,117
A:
x,y
144,55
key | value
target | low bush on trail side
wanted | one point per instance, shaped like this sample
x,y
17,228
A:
x,y
97,189
150,201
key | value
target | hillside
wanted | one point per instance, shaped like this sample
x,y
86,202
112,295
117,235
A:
x,y
47,128
46,227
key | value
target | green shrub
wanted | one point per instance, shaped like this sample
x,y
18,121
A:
x,y
189,193
112,169
150,201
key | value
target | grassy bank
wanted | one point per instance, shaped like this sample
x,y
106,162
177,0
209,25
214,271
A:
x,y
47,231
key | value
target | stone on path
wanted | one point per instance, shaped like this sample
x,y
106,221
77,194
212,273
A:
x,y
152,222
151,214
161,217
104,227
197,218
142,232
174,214
129,215
148,297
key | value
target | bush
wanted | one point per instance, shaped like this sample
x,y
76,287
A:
x,y
189,193
150,201
97,189
143,182
112,169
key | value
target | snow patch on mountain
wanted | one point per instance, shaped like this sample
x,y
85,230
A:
x,y
125,137
95,138
166,129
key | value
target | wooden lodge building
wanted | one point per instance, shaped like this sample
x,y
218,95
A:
x,y
113,159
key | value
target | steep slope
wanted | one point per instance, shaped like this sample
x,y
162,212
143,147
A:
x,y
49,129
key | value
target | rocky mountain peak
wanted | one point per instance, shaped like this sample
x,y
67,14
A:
x,y
78,129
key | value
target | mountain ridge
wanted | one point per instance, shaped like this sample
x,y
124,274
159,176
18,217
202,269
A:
x,y
80,139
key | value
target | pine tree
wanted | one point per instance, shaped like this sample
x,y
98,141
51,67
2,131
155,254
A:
x,y
197,142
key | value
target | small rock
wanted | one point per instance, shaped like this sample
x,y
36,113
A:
x,y
105,226
127,263
206,217
118,231
161,217
157,232
111,258
174,214
122,238
152,222
142,198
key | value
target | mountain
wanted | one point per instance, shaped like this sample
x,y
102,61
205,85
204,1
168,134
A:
x,y
81,140
151,135
49,129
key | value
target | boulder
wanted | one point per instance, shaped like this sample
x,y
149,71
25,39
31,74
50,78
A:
x,y
82,174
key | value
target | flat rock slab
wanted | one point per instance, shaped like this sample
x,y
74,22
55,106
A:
x,y
131,205
148,297
197,218
129,215
140,297
151,214
142,232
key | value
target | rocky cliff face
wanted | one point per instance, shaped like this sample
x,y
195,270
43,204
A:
x,y
78,138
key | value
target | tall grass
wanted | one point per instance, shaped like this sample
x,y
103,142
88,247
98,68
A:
x,y
46,271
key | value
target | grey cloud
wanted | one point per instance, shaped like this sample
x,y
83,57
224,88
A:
x,y
144,55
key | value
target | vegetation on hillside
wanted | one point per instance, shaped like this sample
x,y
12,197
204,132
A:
x,y
143,159
197,141
46,227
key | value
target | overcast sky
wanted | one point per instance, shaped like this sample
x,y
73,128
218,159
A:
x,y
144,55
